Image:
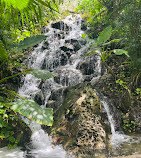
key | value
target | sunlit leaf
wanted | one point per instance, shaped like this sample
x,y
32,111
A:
x,y
33,111
104,35
112,41
17,4
120,52
84,35
31,41
42,74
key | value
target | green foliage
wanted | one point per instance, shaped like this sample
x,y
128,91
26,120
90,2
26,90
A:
x,y
128,125
112,41
33,111
8,120
3,52
104,35
25,11
29,42
124,17
42,74
16,4
29,108
120,52
19,20
138,91
90,8
122,83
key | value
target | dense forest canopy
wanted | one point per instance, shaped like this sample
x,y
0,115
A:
x,y
21,22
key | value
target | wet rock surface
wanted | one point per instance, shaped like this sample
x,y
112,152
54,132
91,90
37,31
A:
x,y
124,107
77,123
61,26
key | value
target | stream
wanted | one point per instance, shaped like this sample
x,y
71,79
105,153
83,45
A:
x,y
63,53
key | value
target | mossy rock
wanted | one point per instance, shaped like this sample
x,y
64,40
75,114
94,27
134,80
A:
x,y
77,122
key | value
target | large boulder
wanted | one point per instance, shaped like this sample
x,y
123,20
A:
x,y
78,120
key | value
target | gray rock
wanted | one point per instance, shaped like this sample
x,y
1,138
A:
x,y
61,26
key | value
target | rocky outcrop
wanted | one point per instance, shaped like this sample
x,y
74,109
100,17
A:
x,y
125,107
79,120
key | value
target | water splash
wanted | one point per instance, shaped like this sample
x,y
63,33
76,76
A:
x,y
118,137
13,153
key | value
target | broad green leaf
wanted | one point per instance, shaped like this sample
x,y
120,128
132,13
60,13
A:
x,y
104,35
31,41
112,41
120,52
3,52
33,111
42,74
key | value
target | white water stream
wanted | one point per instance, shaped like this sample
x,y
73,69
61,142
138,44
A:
x,y
40,141
117,137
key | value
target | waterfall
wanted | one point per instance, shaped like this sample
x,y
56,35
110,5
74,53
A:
x,y
110,117
117,136
63,53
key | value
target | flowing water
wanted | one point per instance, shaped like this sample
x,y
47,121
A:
x,y
63,53
121,144
117,137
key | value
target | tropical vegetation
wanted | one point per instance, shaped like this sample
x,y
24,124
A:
x,y
20,25
114,29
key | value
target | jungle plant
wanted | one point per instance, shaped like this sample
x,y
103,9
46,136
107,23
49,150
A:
x,y
28,108
128,125
102,45
138,92
124,17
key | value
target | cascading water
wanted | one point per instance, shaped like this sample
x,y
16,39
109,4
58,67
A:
x,y
121,143
117,137
63,53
